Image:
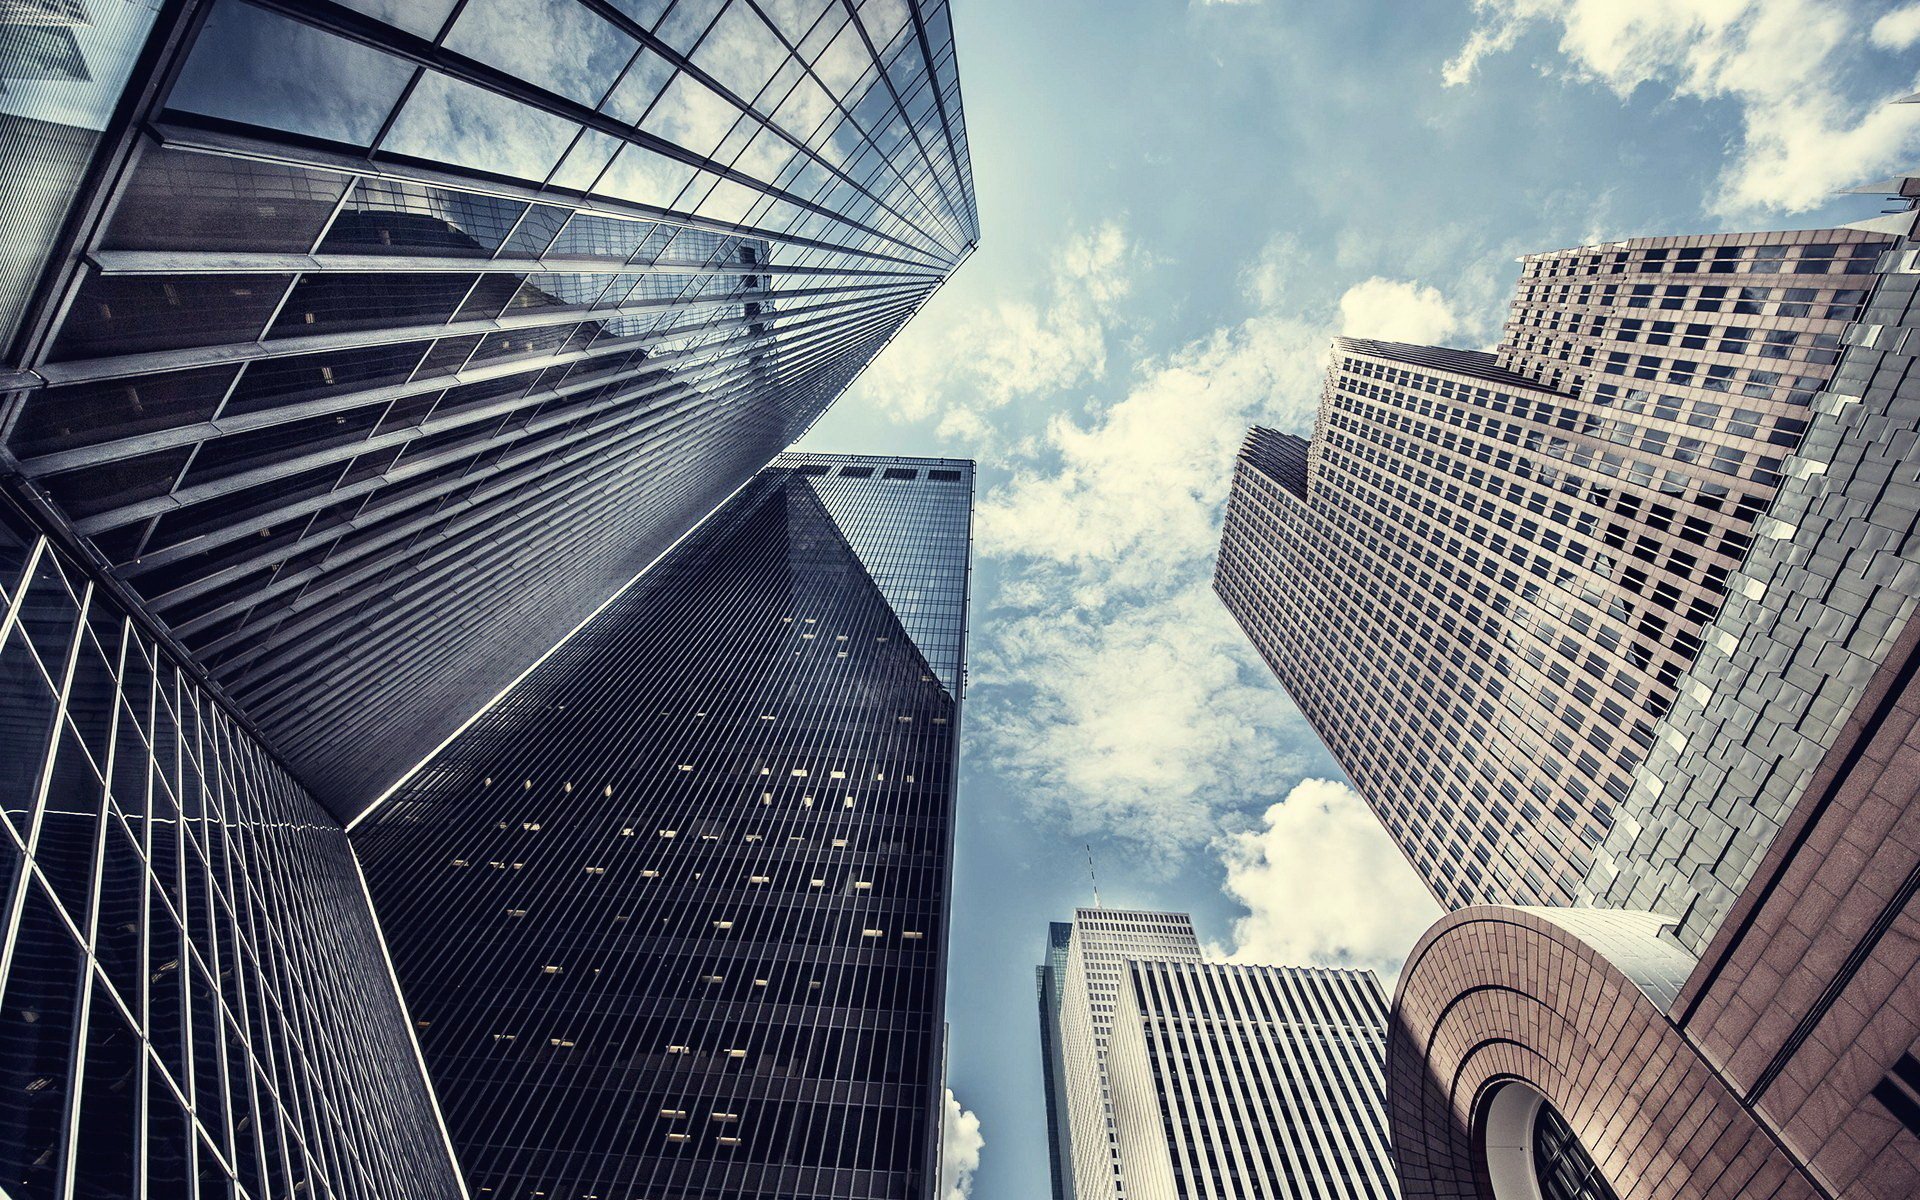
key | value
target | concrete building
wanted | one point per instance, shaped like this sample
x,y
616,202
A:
x,y
1484,577
1741,1016
1233,1081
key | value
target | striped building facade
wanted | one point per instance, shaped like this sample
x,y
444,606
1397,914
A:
x,y
1237,1082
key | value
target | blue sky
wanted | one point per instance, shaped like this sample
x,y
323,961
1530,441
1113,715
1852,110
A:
x,y
1181,204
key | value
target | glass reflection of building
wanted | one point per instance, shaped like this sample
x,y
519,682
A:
x,y
670,916
353,354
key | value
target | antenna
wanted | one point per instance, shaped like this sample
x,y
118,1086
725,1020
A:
x,y
1094,877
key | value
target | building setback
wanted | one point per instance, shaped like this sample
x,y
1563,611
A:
x,y
671,916
1484,577
1099,943
370,347
1741,1017
1232,1080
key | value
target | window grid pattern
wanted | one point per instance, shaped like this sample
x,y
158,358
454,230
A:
x,y
1050,981
1816,608
1102,941
306,393
1551,529
671,916
193,996
1234,1080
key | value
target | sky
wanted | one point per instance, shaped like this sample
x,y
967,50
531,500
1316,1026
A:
x,y
1181,204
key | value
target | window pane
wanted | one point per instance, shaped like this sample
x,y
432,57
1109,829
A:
x,y
260,69
449,121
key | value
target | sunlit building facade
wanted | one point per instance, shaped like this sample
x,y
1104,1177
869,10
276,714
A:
x,y
671,916
1232,1080
1090,974
1484,577
1736,1014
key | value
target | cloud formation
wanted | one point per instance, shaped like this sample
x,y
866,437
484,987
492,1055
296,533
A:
x,y
960,1146
963,369
1392,310
1366,911
1114,687
1779,61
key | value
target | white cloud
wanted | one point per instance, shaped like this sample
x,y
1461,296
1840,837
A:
x,y
960,1146
1394,311
1898,29
1147,718
1034,346
1778,60
1264,280
1117,690
1324,885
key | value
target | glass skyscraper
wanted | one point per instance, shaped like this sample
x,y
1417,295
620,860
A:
x,y
351,355
376,344
193,993
671,915
1484,577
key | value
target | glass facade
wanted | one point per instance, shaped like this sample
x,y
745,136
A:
x,y
193,996
399,336
671,915
1561,1165
1541,538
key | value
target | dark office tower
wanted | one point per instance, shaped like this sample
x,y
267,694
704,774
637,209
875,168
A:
x,y
193,994
1485,575
369,346
671,916
1233,1080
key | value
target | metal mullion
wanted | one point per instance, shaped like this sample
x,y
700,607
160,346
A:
x,y
352,26
899,106
118,263
150,362
745,108
235,145
174,501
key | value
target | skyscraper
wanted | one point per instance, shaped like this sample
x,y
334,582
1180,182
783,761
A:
x,y
671,915
193,993
1484,577
1050,983
350,355
1098,947
378,344
1232,1080
1735,1015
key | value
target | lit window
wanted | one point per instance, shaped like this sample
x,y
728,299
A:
x,y
760,879
669,833
863,885
596,870
673,1113
459,862
677,1137
516,912
839,843
649,873
550,969
759,983
723,924
505,1037
713,978
686,766
726,1116
873,933
912,934
819,883
799,773
724,1140
736,1054
563,1043
627,832
678,1050
836,774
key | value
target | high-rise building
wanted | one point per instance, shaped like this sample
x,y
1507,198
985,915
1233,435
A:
x,y
670,917
372,346
1099,943
1484,577
193,993
1738,1016
350,355
1232,1080
1050,984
